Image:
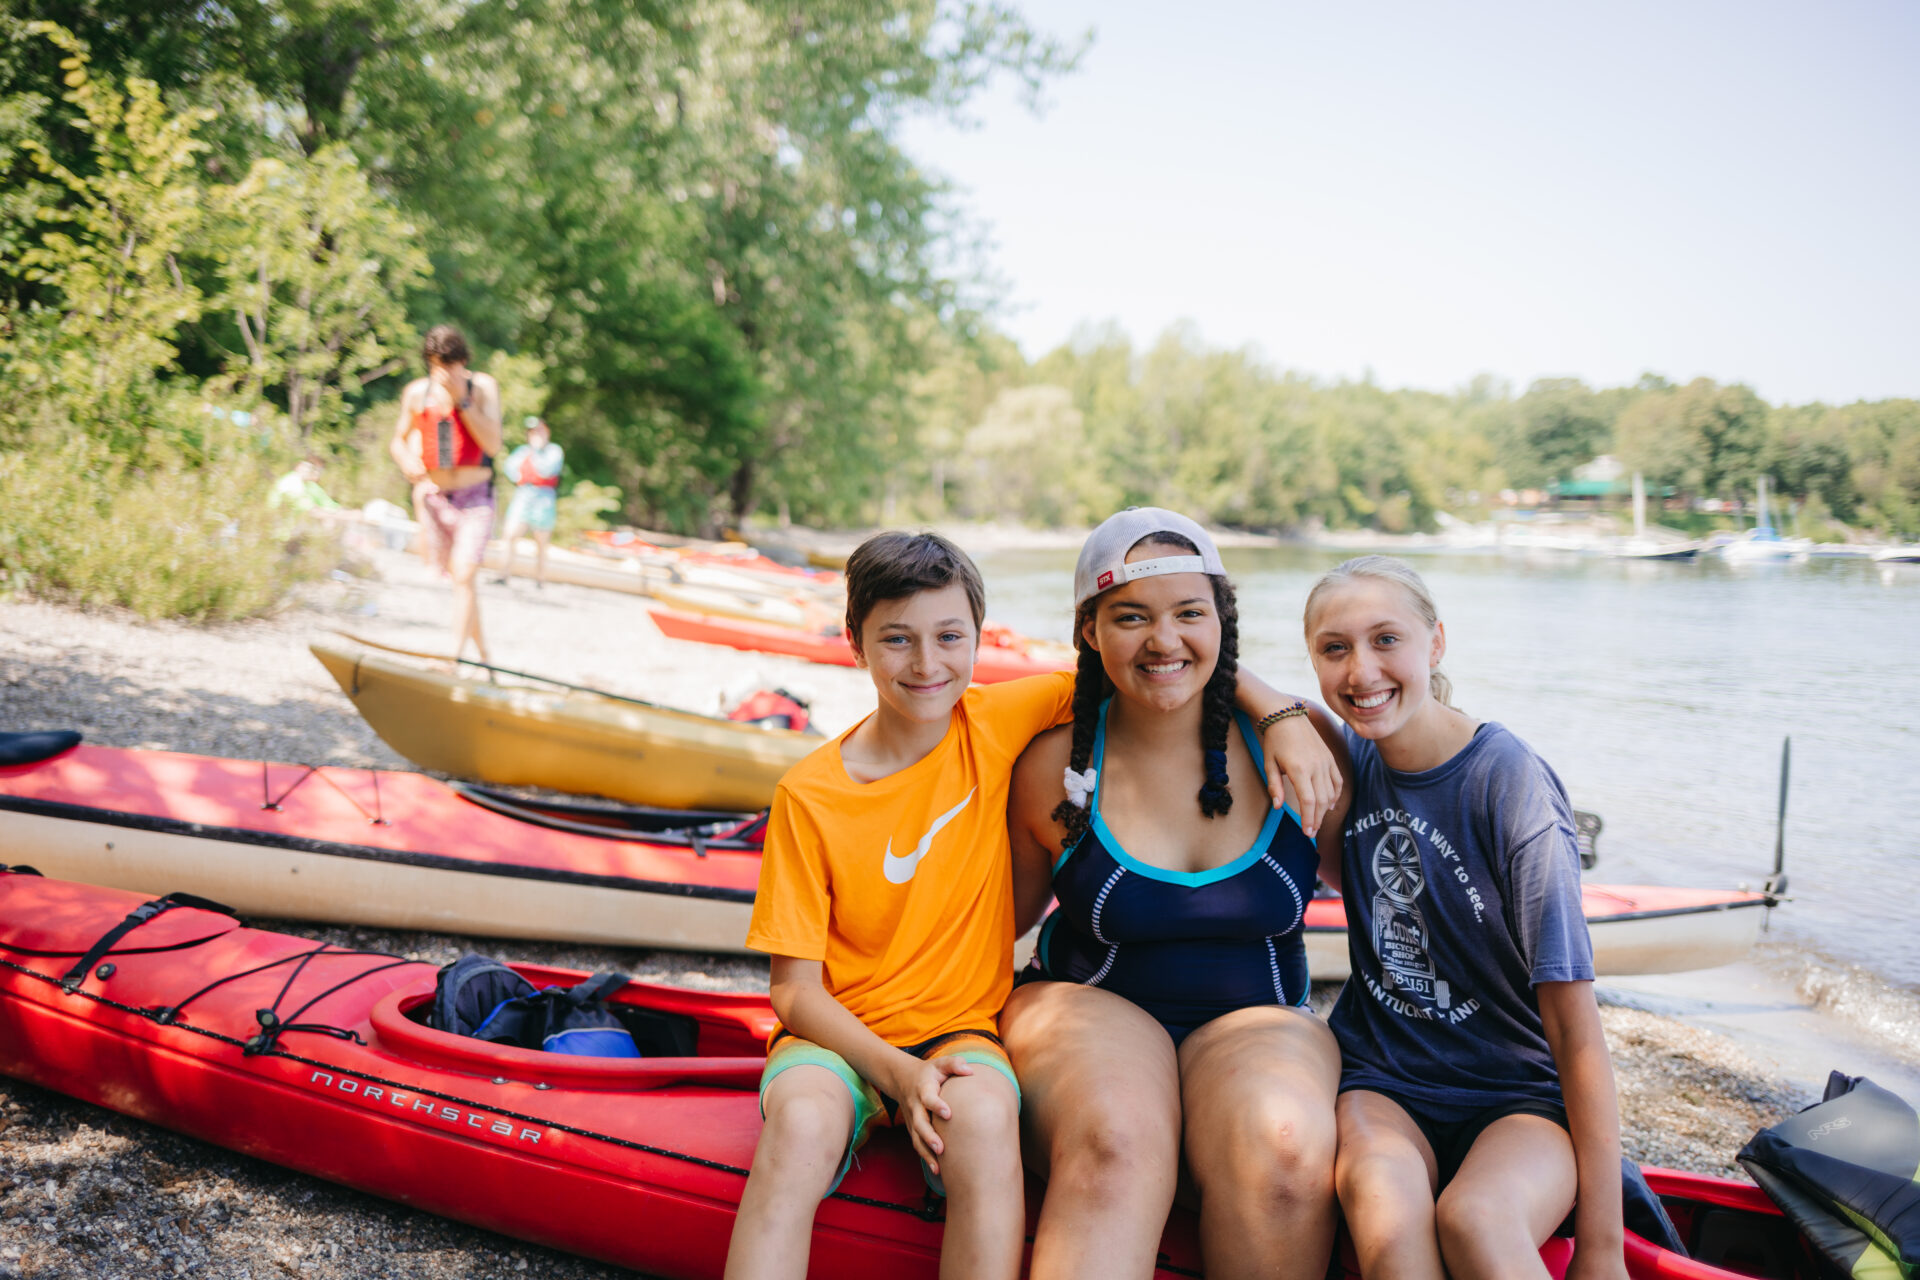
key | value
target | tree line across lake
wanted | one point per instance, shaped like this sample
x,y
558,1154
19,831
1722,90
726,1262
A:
x,y
687,234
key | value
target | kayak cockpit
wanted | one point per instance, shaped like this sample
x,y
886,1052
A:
x,y
684,1037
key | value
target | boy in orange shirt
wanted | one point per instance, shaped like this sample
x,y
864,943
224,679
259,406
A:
x,y
886,904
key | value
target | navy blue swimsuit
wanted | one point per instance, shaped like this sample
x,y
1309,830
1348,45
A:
x,y
1186,946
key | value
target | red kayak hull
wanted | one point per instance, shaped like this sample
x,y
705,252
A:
x,y
638,1163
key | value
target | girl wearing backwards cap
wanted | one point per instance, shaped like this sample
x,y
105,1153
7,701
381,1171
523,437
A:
x,y
1164,1012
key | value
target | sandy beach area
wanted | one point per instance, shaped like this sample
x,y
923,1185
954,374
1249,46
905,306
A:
x,y
86,1192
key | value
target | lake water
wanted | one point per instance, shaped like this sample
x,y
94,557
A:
x,y
1660,693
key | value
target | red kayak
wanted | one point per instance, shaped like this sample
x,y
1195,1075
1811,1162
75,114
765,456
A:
x,y
403,851
1003,655
315,1058
397,850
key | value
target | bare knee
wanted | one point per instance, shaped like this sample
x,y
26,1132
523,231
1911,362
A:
x,y
988,1113
1469,1222
1112,1145
804,1130
1278,1155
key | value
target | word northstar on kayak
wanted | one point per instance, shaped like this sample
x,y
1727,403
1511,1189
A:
x,y
374,1092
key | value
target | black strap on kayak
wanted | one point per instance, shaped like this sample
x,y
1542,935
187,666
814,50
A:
x,y
135,918
272,1023
931,1209
271,802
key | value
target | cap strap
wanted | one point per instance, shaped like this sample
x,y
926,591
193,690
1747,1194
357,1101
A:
x,y
1165,564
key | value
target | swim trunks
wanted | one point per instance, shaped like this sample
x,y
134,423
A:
x,y
1451,1140
872,1108
457,523
533,507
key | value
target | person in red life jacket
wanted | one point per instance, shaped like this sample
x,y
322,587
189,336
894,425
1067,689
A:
x,y
534,469
444,441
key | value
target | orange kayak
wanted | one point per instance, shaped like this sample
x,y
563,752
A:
x,y
1004,655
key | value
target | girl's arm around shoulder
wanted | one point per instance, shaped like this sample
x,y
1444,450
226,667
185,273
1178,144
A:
x,y
1031,829
1572,1022
1296,748
1331,838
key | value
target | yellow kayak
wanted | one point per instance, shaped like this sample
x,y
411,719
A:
x,y
566,738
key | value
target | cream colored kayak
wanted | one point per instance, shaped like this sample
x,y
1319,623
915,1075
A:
x,y
1636,928
569,739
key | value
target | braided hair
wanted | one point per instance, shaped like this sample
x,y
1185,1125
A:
x,y
1091,687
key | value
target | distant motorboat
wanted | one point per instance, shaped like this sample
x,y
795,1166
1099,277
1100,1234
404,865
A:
x,y
1648,549
1642,547
1909,554
1763,542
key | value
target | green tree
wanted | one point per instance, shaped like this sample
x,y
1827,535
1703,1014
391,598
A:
x,y
1703,438
1558,425
315,269
108,262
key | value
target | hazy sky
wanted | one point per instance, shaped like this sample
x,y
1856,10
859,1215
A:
x,y
1438,190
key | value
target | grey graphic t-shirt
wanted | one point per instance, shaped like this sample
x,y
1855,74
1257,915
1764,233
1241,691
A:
x,y
1462,889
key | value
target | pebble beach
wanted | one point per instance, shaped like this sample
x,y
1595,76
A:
x,y
87,1192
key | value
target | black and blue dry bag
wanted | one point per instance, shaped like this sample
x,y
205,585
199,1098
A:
x,y
480,997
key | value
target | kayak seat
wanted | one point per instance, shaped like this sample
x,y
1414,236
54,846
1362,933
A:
x,y
1586,834
32,748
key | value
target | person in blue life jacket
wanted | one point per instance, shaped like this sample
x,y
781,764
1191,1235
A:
x,y
1477,1099
1163,1024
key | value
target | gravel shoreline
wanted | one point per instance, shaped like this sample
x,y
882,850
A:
x,y
87,1192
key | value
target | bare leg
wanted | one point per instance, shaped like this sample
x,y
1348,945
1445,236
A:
x,y
541,537
809,1123
1386,1175
1513,1189
507,539
1101,1123
1257,1089
424,544
980,1167
466,610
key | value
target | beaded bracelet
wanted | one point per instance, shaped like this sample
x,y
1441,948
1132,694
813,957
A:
x,y
1272,718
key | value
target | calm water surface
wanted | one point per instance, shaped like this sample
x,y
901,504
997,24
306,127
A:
x,y
1660,693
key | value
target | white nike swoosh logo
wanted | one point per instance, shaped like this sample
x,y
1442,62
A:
x,y
900,870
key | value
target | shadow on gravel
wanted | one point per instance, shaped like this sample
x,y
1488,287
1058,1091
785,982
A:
x,y
87,1192
1689,1099
115,711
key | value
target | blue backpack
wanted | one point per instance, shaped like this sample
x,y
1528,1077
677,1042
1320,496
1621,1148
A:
x,y
479,997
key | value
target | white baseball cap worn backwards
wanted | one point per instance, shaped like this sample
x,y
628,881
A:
x,y
1103,560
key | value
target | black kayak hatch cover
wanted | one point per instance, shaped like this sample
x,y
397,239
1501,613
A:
x,y
32,748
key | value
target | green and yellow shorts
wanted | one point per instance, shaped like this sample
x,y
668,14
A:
x,y
872,1108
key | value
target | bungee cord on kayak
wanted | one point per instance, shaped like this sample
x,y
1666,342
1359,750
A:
x,y
266,1042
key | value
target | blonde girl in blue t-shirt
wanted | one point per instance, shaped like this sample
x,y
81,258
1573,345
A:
x,y
1476,1098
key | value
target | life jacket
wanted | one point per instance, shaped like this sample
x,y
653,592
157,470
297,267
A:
x,y
531,476
1844,1171
446,441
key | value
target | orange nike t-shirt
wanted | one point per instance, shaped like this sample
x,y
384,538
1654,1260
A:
x,y
903,888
